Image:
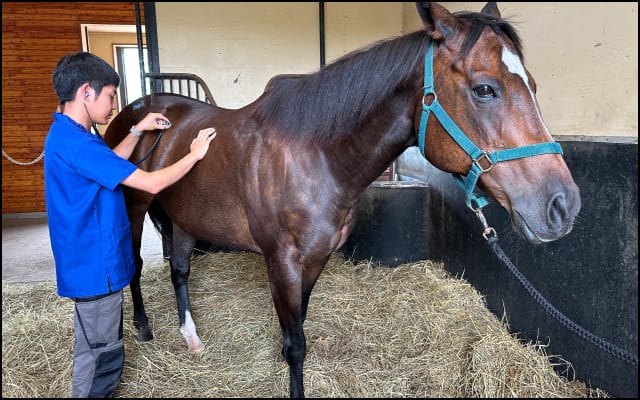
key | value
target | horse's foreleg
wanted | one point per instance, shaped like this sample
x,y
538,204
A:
x,y
310,276
291,285
183,244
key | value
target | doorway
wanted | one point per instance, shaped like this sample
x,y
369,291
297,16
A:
x,y
118,46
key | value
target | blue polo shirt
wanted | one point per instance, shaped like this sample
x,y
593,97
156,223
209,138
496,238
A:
x,y
88,222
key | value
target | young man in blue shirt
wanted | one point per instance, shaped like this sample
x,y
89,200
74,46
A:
x,y
88,223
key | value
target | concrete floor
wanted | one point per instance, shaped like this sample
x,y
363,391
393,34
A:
x,y
26,248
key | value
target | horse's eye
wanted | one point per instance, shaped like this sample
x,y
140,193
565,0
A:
x,y
484,91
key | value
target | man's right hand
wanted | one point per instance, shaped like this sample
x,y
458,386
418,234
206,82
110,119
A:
x,y
200,144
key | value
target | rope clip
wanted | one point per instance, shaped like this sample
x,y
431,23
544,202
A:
x,y
488,232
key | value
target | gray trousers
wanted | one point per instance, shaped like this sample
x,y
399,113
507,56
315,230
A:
x,y
98,352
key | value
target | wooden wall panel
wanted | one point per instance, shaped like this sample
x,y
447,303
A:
x,y
34,37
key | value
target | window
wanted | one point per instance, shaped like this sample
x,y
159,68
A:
x,y
128,67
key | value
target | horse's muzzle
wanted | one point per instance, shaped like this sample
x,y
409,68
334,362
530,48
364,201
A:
x,y
553,221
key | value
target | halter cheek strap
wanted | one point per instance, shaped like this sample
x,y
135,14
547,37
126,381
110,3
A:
x,y
477,155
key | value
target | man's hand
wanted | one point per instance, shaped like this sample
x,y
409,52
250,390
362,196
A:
x,y
200,144
153,121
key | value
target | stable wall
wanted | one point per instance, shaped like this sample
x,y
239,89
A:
x,y
237,47
584,57
34,37
590,275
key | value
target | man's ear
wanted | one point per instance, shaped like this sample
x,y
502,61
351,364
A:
x,y
84,91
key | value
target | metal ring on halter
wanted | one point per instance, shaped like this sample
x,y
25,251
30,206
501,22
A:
x,y
431,93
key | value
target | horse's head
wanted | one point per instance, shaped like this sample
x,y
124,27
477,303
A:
x,y
480,81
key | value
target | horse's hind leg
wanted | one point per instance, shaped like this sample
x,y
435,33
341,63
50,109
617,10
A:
x,y
137,204
164,225
183,244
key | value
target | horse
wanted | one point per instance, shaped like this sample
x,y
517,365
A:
x,y
285,172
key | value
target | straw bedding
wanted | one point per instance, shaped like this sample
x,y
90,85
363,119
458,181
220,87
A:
x,y
409,331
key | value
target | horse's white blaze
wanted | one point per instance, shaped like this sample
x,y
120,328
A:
x,y
514,65
188,331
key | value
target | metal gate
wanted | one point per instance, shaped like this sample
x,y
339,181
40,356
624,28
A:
x,y
185,84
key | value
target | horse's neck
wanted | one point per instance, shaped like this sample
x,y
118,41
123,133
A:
x,y
384,135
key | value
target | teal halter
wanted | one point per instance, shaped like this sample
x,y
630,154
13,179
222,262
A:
x,y
476,153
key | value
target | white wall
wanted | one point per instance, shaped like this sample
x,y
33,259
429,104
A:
x,y
237,47
350,26
584,56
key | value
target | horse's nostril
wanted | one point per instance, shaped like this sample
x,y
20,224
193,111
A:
x,y
557,210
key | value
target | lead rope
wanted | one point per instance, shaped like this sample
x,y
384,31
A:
x,y
492,239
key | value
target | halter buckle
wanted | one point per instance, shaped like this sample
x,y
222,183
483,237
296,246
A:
x,y
483,156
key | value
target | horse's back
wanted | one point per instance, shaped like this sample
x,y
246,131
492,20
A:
x,y
168,104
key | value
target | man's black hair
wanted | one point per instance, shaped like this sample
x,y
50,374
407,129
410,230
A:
x,y
74,70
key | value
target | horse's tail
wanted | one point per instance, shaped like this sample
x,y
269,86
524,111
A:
x,y
163,225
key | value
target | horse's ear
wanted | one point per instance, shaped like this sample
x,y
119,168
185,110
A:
x,y
437,20
491,8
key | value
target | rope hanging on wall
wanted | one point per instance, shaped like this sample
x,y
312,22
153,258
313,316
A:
x,y
40,157
8,157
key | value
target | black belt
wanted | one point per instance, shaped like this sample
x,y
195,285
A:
x,y
91,298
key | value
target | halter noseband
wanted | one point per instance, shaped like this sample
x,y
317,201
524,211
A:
x,y
477,154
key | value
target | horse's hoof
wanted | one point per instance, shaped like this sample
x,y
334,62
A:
x,y
145,335
195,346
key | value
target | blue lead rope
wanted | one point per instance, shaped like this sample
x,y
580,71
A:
x,y
468,184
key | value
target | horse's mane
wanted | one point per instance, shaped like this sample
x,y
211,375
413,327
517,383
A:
x,y
334,100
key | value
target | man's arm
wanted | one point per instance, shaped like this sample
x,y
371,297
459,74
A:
x,y
155,181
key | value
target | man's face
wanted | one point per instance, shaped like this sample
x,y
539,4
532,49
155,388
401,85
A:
x,y
104,105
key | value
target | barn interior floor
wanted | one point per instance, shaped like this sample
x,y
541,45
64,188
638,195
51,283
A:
x,y
26,248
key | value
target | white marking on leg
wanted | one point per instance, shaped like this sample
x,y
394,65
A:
x,y
514,65
188,331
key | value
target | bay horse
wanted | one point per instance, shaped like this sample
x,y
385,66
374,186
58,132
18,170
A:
x,y
284,174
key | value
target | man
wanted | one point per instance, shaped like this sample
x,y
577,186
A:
x,y
88,223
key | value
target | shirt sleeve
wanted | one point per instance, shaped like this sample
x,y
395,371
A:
x,y
98,162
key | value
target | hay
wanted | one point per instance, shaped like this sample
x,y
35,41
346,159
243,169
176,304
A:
x,y
410,331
